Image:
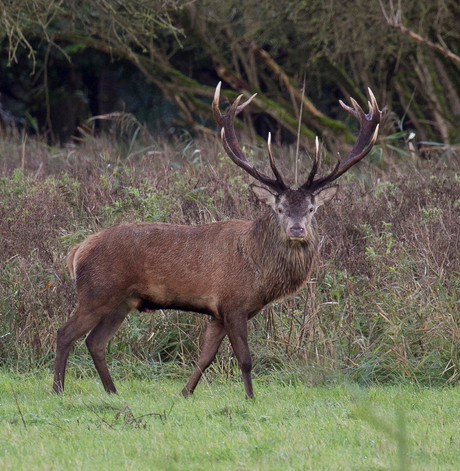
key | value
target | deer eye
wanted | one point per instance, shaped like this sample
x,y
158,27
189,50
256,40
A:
x,y
280,210
311,210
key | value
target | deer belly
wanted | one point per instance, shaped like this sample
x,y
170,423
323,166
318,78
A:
x,y
200,304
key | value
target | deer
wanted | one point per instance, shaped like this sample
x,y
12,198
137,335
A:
x,y
228,270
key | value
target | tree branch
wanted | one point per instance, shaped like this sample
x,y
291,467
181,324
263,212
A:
x,y
394,19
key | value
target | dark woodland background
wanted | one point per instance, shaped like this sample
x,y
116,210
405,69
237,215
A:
x,y
63,62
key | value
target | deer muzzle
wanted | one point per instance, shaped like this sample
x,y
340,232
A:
x,y
296,233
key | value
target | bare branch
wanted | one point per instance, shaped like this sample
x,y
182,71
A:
x,y
394,19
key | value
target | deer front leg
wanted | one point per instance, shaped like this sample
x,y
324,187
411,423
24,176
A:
x,y
237,330
213,337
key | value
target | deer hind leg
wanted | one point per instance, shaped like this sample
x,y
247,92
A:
x,y
77,326
238,335
84,319
98,339
213,337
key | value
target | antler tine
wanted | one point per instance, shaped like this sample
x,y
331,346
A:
x,y
369,126
275,171
215,106
232,146
373,104
316,163
234,109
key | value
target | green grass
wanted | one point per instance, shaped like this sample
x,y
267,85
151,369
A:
x,y
288,426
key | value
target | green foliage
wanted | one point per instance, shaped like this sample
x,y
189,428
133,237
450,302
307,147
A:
x,y
431,214
149,206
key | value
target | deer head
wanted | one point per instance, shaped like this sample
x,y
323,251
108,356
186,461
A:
x,y
295,208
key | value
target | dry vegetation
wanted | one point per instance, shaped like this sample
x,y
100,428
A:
x,y
382,305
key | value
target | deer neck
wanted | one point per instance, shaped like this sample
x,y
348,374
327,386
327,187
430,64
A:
x,y
282,264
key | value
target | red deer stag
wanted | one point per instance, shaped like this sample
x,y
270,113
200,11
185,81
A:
x,y
228,270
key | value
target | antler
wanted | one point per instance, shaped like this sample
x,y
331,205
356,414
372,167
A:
x,y
369,127
233,149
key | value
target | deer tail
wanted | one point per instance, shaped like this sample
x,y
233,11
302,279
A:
x,y
71,261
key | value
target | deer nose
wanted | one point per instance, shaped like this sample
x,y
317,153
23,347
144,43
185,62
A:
x,y
296,231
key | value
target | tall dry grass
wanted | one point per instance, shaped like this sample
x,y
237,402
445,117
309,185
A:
x,y
382,304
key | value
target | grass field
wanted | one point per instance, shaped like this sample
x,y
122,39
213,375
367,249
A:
x,y
288,426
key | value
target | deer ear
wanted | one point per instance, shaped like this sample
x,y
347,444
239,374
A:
x,y
325,195
264,195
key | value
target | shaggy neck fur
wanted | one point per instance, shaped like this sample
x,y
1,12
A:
x,y
287,264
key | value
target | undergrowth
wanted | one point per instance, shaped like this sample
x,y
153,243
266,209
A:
x,y
381,306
